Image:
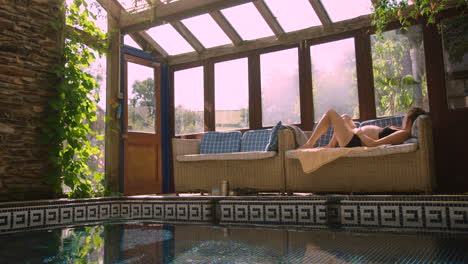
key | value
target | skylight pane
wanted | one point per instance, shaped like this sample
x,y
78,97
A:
x,y
130,42
341,10
169,39
294,14
206,30
134,5
247,21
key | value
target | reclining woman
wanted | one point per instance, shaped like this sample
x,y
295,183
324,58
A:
x,y
347,135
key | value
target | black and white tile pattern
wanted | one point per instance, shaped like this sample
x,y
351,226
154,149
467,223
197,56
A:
x,y
399,212
289,212
23,216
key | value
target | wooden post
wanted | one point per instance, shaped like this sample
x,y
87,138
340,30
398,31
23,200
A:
x,y
365,79
113,128
255,92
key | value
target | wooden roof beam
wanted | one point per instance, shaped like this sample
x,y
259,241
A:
x,y
226,26
321,12
147,43
113,8
288,38
188,36
269,17
170,12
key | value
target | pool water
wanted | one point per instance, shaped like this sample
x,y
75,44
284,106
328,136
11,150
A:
x,y
151,242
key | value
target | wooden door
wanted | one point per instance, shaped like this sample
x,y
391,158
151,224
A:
x,y
142,127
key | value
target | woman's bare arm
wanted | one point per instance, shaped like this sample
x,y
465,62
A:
x,y
395,138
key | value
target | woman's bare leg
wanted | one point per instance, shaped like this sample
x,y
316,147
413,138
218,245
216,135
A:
x,y
349,122
343,132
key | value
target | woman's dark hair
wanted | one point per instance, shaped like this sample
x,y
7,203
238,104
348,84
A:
x,y
414,112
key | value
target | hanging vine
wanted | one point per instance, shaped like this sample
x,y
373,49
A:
x,y
73,108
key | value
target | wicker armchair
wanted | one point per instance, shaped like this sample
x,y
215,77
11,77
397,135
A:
x,y
400,172
261,171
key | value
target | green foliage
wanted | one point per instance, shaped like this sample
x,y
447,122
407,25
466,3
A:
x,y
394,90
83,245
386,11
73,109
188,121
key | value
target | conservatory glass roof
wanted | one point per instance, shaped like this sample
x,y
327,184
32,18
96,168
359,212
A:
x,y
247,21
293,15
341,10
206,30
231,24
169,39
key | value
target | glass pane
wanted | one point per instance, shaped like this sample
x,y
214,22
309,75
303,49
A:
x,y
130,42
341,10
189,101
206,30
169,39
98,70
455,39
399,71
293,15
334,81
247,21
280,87
232,94
141,98
134,5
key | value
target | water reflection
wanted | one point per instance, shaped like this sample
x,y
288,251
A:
x,y
159,243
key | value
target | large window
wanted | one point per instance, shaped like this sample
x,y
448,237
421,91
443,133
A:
x,y
455,38
232,94
280,87
334,81
188,101
399,71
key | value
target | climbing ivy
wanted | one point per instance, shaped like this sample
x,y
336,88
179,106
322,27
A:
x,y
73,108
387,11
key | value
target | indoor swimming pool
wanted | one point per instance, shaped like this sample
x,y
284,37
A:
x,y
153,242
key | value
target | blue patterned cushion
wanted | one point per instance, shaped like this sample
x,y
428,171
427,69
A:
x,y
383,122
325,138
255,140
273,141
220,142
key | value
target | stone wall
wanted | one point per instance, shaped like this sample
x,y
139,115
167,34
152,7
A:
x,y
29,47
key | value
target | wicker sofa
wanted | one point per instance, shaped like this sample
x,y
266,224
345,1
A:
x,y
258,170
400,168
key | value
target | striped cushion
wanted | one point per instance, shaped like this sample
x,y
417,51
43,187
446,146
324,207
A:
x,y
220,142
383,122
325,138
255,140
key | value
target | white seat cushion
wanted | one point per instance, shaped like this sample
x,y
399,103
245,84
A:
x,y
228,156
384,150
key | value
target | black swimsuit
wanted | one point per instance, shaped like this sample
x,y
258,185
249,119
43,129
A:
x,y
356,141
386,131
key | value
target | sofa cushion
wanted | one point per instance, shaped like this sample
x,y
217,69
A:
x,y
273,140
255,140
220,142
381,151
383,122
227,156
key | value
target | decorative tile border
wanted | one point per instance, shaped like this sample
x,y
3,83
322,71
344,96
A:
x,y
428,213
406,214
274,212
50,215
